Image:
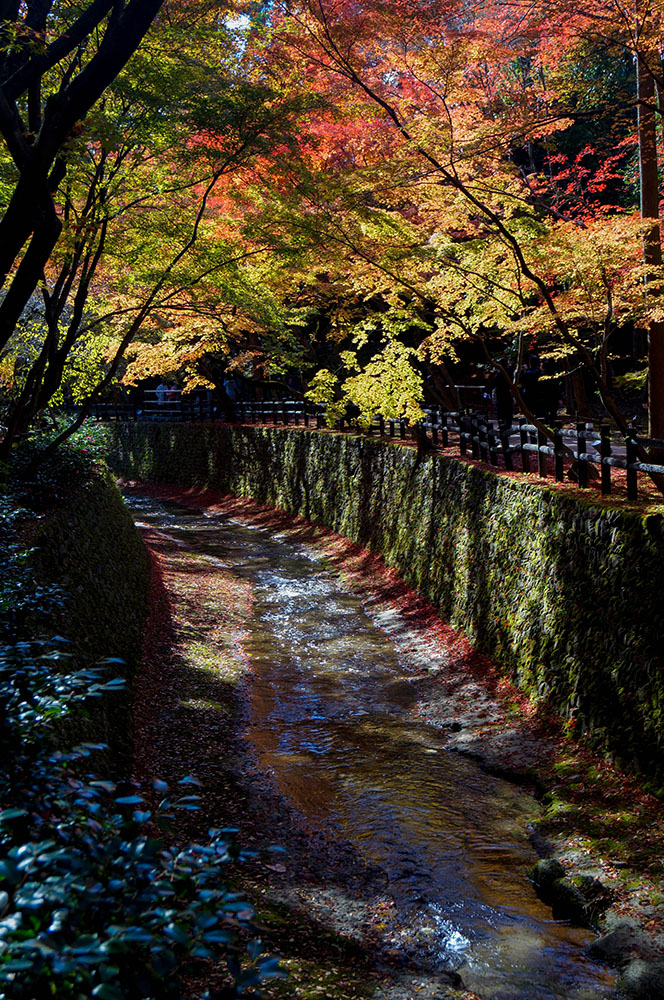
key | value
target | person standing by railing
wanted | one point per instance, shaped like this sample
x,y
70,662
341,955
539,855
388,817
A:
x,y
549,387
531,388
162,393
499,386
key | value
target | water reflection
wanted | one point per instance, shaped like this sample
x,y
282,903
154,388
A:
x,y
331,719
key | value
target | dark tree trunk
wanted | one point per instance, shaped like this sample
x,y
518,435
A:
x,y
652,250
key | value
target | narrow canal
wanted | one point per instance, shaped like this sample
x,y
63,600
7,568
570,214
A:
x,y
331,721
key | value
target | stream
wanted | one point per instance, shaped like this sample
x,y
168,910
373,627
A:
x,y
332,722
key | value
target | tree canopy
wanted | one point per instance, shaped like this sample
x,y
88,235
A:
x,y
366,194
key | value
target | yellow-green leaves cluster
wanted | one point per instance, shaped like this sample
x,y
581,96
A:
x,y
388,384
380,380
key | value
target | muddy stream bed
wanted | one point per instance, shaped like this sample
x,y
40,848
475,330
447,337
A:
x,y
332,722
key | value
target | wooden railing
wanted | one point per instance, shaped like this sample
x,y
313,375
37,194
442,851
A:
x,y
574,449
156,406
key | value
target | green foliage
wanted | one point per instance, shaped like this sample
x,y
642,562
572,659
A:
x,y
90,548
81,371
564,594
93,899
91,439
388,383
324,389
632,383
22,600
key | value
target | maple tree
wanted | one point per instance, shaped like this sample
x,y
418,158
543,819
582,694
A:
x,y
433,168
141,246
633,30
391,185
56,61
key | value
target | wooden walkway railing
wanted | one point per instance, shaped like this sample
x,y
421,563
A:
x,y
578,448
171,405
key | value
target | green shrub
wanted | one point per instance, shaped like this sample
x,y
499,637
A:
x,y
39,480
23,601
76,565
94,902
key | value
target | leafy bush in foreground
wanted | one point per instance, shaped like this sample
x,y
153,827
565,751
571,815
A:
x,y
93,900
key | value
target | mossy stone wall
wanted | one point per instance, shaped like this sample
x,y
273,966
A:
x,y
567,596
91,548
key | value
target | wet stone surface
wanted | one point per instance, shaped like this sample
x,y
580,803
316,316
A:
x,y
332,725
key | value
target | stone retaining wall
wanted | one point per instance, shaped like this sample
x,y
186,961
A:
x,y
567,596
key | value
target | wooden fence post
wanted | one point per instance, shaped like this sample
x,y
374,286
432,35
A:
x,y
493,445
463,444
523,436
605,452
632,477
482,439
432,422
506,447
474,436
542,468
581,449
558,447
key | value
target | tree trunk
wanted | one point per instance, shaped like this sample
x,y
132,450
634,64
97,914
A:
x,y
582,408
652,249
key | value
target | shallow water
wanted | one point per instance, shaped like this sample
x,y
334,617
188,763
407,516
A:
x,y
331,720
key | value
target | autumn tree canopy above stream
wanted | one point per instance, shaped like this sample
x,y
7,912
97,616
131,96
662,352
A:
x,y
365,193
